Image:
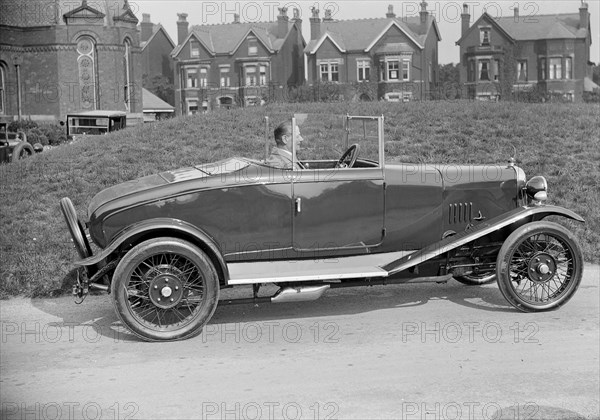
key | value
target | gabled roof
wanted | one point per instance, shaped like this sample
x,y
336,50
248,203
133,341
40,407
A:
x,y
153,103
155,30
226,38
557,26
490,20
84,11
363,34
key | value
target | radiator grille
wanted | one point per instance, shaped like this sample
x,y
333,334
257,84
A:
x,y
460,213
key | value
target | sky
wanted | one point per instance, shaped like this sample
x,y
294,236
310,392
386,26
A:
x,y
447,14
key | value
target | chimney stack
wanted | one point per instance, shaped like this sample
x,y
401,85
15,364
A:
x,y
297,19
182,28
315,24
236,18
282,22
327,17
146,27
584,16
466,19
423,14
390,13
516,10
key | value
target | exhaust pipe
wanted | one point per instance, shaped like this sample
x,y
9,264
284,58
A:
x,y
299,294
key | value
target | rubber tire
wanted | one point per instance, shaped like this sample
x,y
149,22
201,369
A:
x,y
152,247
20,148
507,250
476,281
75,227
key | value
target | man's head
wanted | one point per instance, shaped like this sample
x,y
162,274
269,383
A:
x,y
283,136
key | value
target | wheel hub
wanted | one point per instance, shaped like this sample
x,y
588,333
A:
x,y
166,291
542,267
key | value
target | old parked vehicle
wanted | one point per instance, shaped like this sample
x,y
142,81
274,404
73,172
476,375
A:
x,y
169,242
14,146
95,122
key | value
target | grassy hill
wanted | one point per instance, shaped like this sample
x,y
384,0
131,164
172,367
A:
x,y
561,142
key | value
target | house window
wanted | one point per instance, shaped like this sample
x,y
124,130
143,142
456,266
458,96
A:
x,y
2,98
484,70
262,75
225,80
484,36
496,70
522,71
568,68
191,76
86,62
543,68
250,75
203,77
471,71
128,85
393,67
329,72
192,106
555,69
252,46
364,70
405,70
430,71
195,49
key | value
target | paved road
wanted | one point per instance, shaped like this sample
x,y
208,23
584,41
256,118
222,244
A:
x,y
422,351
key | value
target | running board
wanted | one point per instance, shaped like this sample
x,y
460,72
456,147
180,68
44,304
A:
x,y
288,271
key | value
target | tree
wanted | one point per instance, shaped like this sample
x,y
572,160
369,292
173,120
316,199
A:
x,y
450,73
161,86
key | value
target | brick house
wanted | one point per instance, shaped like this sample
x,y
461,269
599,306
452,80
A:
x,y
388,58
60,56
156,45
236,64
548,54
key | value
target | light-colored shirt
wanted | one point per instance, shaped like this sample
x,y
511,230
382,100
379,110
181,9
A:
x,y
281,158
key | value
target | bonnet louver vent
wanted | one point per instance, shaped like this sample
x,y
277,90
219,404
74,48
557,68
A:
x,y
460,213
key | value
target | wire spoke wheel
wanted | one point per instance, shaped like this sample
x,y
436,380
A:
x,y
165,289
539,266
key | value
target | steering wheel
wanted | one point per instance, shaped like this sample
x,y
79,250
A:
x,y
349,157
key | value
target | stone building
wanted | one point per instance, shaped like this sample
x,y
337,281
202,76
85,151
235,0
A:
x,y
61,56
237,63
391,58
548,54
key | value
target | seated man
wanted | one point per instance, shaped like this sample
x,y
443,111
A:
x,y
281,154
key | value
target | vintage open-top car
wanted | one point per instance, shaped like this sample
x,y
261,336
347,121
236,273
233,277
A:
x,y
167,243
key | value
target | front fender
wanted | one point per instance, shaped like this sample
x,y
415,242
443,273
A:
x,y
164,227
480,230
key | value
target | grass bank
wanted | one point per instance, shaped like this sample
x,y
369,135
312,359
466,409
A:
x,y
561,142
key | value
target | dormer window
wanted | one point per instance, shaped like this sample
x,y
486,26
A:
x,y
252,46
195,49
484,36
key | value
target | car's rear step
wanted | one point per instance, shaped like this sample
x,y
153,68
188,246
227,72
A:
x,y
363,266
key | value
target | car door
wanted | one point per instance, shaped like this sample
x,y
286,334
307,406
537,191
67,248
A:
x,y
338,209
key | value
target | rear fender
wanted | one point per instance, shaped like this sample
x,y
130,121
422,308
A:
x,y
163,227
480,230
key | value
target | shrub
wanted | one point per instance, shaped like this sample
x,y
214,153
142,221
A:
x,y
23,125
37,135
56,134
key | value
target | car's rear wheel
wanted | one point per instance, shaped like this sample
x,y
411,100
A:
x,y
165,289
539,266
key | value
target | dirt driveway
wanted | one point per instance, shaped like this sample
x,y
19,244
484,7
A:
x,y
421,351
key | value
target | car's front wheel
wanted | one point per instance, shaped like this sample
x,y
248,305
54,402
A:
x,y
165,289
539,266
